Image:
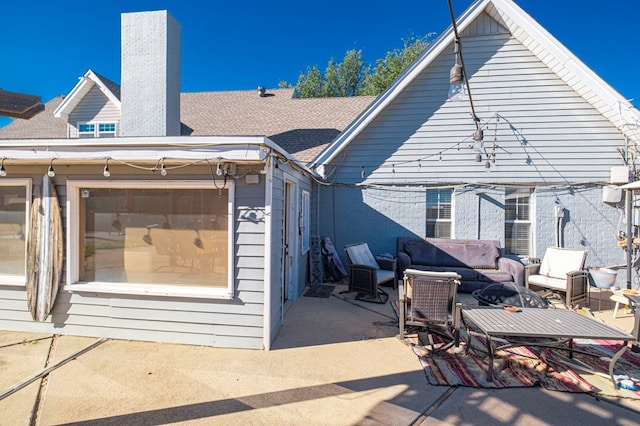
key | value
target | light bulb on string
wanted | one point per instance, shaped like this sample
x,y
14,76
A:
x,y
3,172
106,172
51,172
163,169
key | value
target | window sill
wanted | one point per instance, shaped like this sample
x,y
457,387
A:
x,y
150,290
16,281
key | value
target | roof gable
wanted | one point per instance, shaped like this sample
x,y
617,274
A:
x,y
89,80
506,17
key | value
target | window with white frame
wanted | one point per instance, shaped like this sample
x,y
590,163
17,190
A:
x,y
96,130
517,225
169,238
439,213
15,196
305,220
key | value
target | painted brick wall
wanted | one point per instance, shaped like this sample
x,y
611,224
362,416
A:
x,y
379,216
375,216
479,213
588,223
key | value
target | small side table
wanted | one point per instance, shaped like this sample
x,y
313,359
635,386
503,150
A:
x,y
619,297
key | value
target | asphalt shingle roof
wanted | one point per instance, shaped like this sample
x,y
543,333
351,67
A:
x,y
302,127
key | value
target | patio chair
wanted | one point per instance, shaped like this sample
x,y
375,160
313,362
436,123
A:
x,y
367,273
560,272
428,300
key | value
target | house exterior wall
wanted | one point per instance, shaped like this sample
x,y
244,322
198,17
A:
x,y
238,322
95,107
545,137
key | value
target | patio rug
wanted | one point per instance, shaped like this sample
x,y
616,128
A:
x,y
322,290
527,367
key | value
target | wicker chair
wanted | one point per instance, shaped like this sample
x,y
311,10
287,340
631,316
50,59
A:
x,y
428,301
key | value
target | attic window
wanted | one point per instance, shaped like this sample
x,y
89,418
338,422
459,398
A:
x,y
96,130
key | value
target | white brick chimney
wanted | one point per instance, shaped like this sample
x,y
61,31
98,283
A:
x,y
150,74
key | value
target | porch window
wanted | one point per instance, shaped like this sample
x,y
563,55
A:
x,y
15,196
517,227
439,213
170,238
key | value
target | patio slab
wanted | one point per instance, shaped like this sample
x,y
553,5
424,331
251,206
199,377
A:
x,y
335,361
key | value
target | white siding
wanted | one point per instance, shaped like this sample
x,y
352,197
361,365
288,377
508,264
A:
x,y
95,106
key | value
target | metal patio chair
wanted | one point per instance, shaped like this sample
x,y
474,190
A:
x,y
428,301
561,272
367,273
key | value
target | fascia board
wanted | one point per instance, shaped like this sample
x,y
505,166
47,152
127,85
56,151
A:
x,y
74,97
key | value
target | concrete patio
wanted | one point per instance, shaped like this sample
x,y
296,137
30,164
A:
x,y
335,361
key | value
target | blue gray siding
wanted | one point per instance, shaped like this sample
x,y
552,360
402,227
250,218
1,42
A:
x,y
212,322
544,130
546,136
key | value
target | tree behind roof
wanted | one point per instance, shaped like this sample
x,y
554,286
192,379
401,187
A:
x,y
354,77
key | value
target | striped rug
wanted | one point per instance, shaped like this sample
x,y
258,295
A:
x,y
527,367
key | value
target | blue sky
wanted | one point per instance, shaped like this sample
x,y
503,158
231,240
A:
x,y
238,45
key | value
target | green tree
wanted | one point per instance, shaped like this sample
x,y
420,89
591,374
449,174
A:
x,y
394,63
354,77
310,84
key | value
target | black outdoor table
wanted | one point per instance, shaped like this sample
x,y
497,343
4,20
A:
x,y
558,326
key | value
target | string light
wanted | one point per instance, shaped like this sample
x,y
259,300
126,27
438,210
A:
x,y
219,169
51,172
163,169
3,172
106,172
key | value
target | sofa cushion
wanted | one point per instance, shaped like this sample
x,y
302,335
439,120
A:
x,y
470,255
359,254
466,274
494,275
548,282
420,252
558,262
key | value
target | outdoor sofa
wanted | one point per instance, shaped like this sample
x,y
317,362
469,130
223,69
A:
x,y
478,262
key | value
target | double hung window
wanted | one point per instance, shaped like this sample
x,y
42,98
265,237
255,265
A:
x,y
517,226
439,213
